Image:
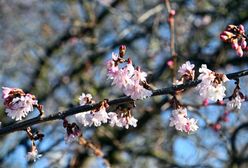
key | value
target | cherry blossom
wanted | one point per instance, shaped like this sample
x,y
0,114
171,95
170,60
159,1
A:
x,y
99,117
187,70
85,99
137,91
95,118
89,118
17,103
114,120
235,103
181,122
128,121
84,118
122,120
191,125
128,79
211,86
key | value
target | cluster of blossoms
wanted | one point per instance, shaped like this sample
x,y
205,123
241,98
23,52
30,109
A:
x,y
128,79
237,37
211,86
98,116
186,72
95,117
17,103
181,122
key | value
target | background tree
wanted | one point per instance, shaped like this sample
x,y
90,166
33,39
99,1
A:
x,y
58,49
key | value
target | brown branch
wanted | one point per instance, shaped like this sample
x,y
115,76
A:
x,y
171,22
61,115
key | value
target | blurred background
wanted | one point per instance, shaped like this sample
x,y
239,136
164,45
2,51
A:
x,y
58,49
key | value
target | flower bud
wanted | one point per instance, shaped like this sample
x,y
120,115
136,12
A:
x,y
229,34
172,12
239,51
224,37
205,102
241,29
231,27
217,127
243,43
122,50
235,44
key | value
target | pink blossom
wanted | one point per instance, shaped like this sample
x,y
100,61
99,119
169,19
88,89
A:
x,y
90,118
122,79
235,103
139,75
211,86
170,64
181,122
114,120
17,103
128,79
84,118
6,91
122,121
112,69
85,99
136,91
186,68
114,56
100,117
243,43
206,74
191,125
241,28
126,121
239,51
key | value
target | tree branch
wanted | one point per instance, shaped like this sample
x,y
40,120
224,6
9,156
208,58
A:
x,y
61,115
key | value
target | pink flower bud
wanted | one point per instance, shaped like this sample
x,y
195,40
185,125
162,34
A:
x,y
243,43
172,12
229,34
241,29
224,37
170,64
239,51
230,27
221,102
217,127
205,102
235,44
